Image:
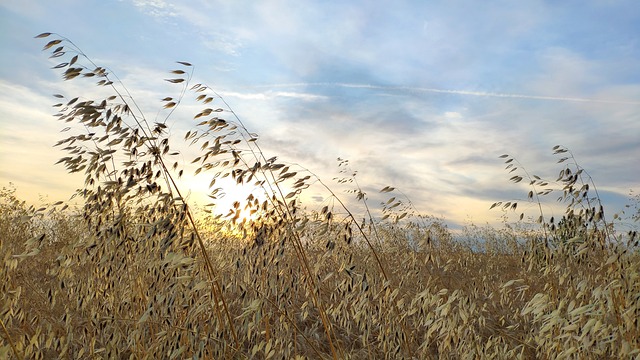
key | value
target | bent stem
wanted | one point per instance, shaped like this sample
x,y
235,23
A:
x,y
13,347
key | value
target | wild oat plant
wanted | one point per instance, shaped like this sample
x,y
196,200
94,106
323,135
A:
x,y
136,272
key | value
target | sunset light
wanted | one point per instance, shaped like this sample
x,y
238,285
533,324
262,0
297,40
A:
x,y
306,179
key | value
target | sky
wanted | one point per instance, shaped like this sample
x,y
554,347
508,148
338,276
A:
x,y
419,95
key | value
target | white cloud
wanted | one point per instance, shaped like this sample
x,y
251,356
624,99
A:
x,y
220,42
155,8
269,95
414,89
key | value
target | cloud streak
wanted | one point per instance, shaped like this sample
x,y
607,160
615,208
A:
x,y
448,91
272,95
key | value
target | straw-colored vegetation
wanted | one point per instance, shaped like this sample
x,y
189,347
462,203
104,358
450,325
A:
x,y
134,273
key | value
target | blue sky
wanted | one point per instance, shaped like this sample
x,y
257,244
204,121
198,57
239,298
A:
x,y
420,95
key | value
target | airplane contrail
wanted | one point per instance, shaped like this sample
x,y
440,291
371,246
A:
x,y
447,91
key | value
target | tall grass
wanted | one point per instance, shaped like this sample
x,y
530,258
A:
x,y
135,273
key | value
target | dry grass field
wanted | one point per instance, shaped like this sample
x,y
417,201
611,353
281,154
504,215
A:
x,y
137,273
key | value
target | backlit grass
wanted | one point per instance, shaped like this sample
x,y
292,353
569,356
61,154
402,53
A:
x,y
135,272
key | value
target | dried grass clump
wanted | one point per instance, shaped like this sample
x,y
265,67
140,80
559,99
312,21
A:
x,y
136,273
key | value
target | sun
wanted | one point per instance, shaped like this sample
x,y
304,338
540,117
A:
x,y
237,204
241,215
237,207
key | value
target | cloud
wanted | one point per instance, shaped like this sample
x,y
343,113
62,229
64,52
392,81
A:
x,y
400,141
269,95
28,132
155,8
410,89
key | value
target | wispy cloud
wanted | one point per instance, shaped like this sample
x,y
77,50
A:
x,y
449,91
27,135
268,95
155,8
